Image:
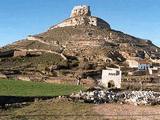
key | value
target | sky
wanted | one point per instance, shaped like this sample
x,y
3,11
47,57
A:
x,y
20,18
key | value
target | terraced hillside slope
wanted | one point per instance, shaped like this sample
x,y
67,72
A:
x,y
80,45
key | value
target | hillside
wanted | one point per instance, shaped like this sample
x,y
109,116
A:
x,y
76,46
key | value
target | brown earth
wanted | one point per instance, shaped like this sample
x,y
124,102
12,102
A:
x,y
62,109
128,112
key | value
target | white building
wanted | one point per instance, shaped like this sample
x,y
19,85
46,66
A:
x,y
143,65
140,64
111,78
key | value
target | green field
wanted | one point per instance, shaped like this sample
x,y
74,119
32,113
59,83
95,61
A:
x,y
24,88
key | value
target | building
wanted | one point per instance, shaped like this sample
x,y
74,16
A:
x,y
138,63
154,69
111,78
143,65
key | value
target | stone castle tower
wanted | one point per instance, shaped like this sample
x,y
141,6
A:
x,y
81,15
82,10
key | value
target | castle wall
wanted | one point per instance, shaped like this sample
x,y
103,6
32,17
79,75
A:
x,y
81,10
93,21
20,53
82,15
70,22
89,20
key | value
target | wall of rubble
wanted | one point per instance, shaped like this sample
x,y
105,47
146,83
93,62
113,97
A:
x,y
98,96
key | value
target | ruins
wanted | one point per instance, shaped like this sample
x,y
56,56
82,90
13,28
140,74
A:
x,y
81,15
81,10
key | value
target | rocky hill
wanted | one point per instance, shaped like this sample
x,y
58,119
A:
x,y
79,43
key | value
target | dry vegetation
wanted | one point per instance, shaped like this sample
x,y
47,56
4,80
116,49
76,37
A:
x,y
67,110
53,109
128,112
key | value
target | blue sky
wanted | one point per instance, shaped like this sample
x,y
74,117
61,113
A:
x,y
19,18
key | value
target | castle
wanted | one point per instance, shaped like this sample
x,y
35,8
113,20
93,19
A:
x,y
81,15
81,10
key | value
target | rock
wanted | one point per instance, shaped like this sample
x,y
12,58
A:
x,y
142,97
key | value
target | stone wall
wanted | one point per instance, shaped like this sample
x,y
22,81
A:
x,y
82,15
13,53
20,53
86,20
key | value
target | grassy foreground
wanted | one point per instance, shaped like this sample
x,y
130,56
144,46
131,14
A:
x,y
24,88
52,110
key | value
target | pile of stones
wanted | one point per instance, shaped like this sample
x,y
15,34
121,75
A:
x,y
131,97
142,97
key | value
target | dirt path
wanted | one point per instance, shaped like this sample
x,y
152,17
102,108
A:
x,y
128,112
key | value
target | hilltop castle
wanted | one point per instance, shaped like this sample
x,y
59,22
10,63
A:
x,y
81,10
81,15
